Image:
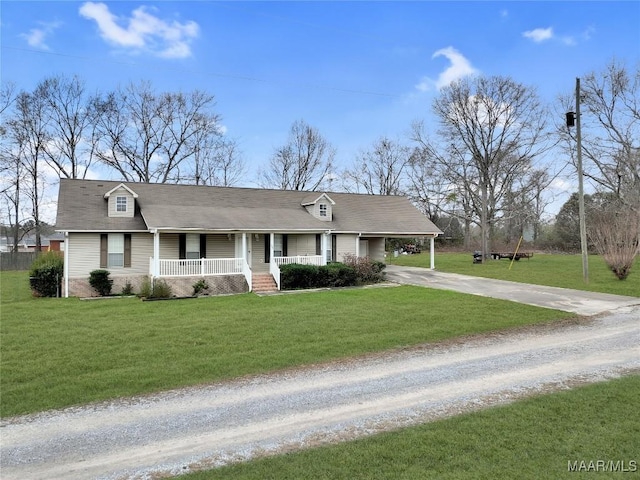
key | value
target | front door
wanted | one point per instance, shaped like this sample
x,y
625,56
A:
x,y
364,248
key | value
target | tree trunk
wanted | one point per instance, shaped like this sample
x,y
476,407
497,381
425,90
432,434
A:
x,y
484,227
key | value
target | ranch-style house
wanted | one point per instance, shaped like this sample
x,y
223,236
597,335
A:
x,y
234,238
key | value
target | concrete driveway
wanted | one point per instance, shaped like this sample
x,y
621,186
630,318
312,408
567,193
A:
x,y
575,301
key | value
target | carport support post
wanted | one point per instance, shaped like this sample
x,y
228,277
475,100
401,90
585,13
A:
x,y
65,267
432,253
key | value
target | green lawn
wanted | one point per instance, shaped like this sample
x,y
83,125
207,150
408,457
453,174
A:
x,y
543,269
536,438
61,352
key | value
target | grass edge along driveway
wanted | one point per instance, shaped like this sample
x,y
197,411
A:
x,y
566,434
564,271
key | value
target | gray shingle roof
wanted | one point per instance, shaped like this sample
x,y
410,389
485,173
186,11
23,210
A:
x,y
82,207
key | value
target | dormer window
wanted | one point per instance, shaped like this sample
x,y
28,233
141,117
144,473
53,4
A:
x,y
121,201
320,206
121,204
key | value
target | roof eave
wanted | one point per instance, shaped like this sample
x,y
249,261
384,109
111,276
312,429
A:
x,y
108,194
102,230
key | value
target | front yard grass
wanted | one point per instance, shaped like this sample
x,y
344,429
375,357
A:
x,y
60,352
536,438
542,269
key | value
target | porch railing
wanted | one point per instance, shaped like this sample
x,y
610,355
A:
x,y
274,270
199,267
301,259
246,271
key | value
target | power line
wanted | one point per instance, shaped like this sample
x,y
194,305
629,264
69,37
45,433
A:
x,y
232,76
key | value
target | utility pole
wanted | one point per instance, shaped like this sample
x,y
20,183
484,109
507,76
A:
x,y
574,119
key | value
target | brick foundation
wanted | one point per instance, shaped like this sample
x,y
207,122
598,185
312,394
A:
x,y
218,284
180,286
79,287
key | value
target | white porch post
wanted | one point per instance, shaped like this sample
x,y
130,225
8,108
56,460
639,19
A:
x,y
65,268
244,246
358,245
156,253
323,247
432,252
272,239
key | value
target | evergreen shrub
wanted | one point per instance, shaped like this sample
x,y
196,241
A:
x,y
100,281
355,271
45,275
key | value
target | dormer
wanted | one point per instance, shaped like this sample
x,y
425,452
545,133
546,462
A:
x,y
320,206
121,201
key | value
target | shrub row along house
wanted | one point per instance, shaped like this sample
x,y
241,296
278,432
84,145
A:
x,y
236,238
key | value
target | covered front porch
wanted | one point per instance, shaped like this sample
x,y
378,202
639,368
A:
x,y
207,254
196,254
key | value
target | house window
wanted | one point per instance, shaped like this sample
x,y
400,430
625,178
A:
x,y
323,209
121,204
115,249
193,245
278,246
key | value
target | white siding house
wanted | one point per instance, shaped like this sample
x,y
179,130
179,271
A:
x,y
142,232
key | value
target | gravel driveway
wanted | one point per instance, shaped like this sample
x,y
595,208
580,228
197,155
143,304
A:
x,y
186,429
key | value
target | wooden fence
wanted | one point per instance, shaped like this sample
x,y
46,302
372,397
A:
x,y
17,260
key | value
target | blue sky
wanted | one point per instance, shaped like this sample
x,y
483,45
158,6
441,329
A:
x,y
354,70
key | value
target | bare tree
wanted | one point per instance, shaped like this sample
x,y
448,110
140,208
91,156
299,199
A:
x,y
69,120
428,186
526,203
28,133
381,170
303,163
228,167
439,187
146,136
611,131
216,161
491,129
11,171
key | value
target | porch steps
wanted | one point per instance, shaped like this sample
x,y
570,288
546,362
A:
x,y
263,283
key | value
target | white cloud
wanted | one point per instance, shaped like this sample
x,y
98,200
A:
x,y
588,32
539,35
425,85
460,67
143,32
36,37
562,185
